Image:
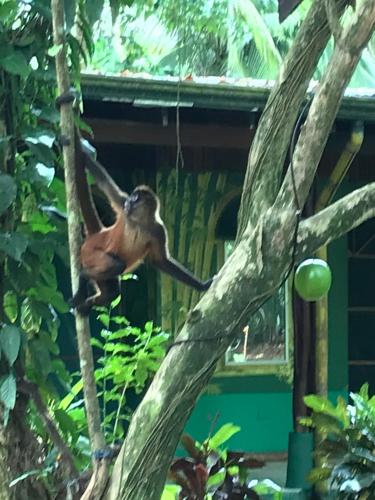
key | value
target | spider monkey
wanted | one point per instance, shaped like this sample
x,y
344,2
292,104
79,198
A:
x,y
137,233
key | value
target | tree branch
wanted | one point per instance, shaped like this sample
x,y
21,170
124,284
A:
x,y
252,273
336,220
272,138
101,469
323,110
333,19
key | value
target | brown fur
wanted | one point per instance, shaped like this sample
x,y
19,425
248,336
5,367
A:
x,y
138,232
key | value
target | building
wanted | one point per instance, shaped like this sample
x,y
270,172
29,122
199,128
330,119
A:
x,y
190,141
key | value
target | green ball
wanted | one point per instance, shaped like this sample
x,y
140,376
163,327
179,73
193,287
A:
x,y
313,279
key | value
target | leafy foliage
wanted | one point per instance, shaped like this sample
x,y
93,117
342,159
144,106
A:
x,y
33,245
205,38
235,38
347,452
130,357
211,471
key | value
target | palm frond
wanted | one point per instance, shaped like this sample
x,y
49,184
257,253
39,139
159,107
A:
x,y
246,12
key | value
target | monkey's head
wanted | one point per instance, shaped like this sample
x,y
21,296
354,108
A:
x,y
141,203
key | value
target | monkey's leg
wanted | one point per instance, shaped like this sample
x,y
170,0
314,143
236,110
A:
x,y
82,292
108,290
106,278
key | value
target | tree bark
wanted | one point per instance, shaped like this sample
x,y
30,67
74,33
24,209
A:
x,y
271,143
314,133
101,468
337,219
257,266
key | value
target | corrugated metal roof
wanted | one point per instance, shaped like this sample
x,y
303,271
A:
x,y
244,94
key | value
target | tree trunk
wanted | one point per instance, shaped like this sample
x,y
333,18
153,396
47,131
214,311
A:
x,y
20,452
260,261
100,468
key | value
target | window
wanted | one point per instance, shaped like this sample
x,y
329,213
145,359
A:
x,y
264,339
264,336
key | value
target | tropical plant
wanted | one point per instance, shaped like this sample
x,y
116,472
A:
x,y
347,453
213,472
130,357
205,38
235,38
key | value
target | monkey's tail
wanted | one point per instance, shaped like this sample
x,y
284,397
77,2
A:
x,y
89,213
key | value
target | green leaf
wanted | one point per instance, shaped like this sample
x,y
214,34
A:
x,y
10,342
363,391
116,348
306,421
60,370
41,357
97,343
49,114
24,476
11,305
48,295
7,9
233,470
327,424
8,390
104,319
217,479
22,278
41,152
69,398
47,174
8,192
141,374
265,487
52,346
171,492
222,435
13,244
319,474
65,421
116,302
123,332
39,223
30,320
320,404
149,326
246,12
16,64
54,50
6,413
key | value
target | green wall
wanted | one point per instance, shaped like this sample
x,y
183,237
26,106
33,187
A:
x,y
265,419
262,405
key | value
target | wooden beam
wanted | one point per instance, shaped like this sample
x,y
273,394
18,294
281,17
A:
x,y
210,135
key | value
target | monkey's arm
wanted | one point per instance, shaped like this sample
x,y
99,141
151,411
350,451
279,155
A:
x,y
102,178
161,259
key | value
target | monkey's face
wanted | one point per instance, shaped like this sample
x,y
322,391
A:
x,y
142,203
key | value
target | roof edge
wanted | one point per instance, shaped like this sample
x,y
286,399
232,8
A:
x,y
358,104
